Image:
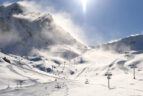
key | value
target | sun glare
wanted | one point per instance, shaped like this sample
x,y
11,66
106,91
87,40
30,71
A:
x,y
84,5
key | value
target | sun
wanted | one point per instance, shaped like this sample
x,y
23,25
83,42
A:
x,y
84,5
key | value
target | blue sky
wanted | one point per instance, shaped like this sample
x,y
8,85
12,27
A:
x,y
104,20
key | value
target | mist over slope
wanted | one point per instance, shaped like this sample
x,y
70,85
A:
x,y
22,30
53,76
49,61
131,43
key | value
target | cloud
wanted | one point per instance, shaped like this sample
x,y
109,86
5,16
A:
x,y
7,3
61,18
35,36
7,38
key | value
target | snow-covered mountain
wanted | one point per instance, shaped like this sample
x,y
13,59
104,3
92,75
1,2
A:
x,y
23,31
133,42
52,76
38,58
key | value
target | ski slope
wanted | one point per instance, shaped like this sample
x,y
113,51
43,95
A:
x,y
41,59
39,83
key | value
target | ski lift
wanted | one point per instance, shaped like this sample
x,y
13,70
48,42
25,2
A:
x,y
133,66
108,74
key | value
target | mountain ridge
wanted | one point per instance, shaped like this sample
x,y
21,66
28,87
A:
x,y
32,30
130,43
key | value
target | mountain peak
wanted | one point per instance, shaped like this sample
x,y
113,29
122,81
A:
x,y
14,8
28,30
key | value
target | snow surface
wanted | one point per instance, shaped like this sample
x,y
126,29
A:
x,y
97,63
64,67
